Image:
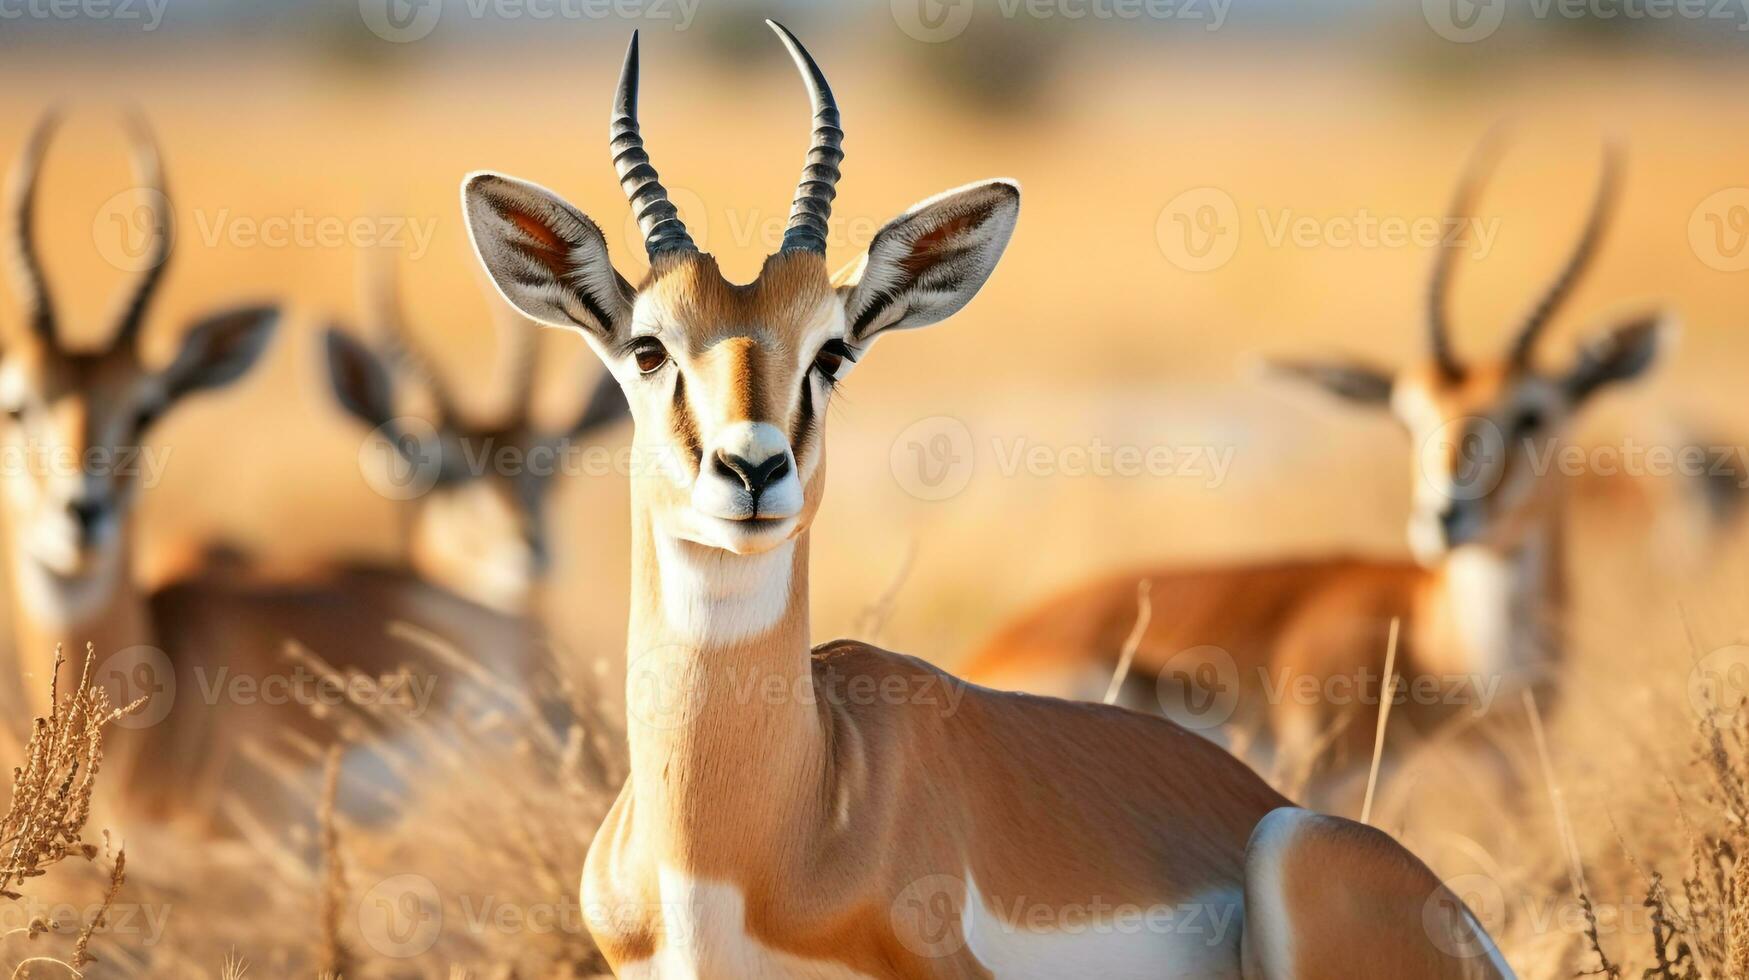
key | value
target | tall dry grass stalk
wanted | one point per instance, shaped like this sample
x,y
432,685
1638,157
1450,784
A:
x,y
51,803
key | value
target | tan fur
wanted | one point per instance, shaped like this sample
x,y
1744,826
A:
x,y
1303,622
784,776
212,624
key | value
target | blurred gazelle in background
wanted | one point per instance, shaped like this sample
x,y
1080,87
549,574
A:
x,y
480,529
1481,609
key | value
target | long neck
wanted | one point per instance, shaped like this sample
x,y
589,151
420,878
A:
x,y
103,607
721,713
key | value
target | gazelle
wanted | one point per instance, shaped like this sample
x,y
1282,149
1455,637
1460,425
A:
x,y
481,529
207,648
1480,612
843,811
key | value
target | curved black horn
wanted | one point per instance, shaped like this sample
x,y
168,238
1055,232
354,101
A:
x,y
658,218
27,269
148,168
1595,224
1462,211
819,184
380,288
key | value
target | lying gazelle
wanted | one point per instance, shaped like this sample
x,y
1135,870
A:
x,y
74,430
849,812
1481,614
481,529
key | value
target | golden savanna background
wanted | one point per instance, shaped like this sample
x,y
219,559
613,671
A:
x,y
1203,184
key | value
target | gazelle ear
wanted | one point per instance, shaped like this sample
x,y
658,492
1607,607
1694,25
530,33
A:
x,y
220,349
1351,381
359,379
930,261
546,258
1620,354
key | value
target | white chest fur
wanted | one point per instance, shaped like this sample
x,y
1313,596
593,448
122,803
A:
x,y
1112,940
727,598
704,935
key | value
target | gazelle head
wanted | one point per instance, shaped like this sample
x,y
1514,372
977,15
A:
x,y
480,527
729,383
75,420
1482,429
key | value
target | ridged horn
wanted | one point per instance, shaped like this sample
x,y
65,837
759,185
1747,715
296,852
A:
x,y
1462,210
148,167
658,218
808,216
1596,223
386,318
32,284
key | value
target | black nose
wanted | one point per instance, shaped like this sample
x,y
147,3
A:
x,y
87,514
754,476
1451,521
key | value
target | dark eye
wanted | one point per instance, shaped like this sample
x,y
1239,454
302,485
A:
x,y
831,358
1528,421
649,353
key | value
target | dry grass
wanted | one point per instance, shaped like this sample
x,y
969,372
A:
x,y
45,818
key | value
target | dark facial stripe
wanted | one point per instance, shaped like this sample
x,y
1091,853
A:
x,y
685,426
804,425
